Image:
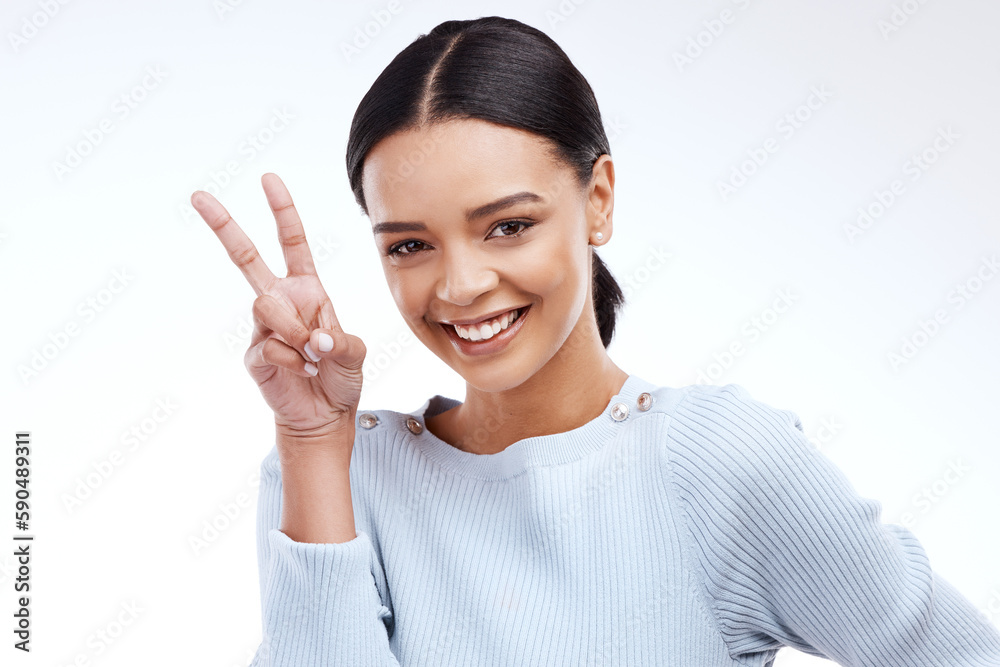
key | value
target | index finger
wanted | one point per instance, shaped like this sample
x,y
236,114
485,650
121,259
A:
x,y
241,250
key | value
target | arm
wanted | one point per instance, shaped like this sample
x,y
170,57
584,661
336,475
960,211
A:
x,y
791,555
320,604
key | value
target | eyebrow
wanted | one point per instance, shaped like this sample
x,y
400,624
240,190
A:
x,y
470,215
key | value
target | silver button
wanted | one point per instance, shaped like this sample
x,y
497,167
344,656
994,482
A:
x,y
645,401
619,411
367,419
416,428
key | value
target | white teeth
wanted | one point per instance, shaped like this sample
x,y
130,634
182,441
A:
x,y
487,330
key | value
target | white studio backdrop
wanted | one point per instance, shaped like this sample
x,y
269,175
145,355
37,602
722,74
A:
x,y
806,206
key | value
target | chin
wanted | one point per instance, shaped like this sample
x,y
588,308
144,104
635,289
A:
x,y
495,377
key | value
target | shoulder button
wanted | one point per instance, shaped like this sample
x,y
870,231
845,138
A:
x,y
416,428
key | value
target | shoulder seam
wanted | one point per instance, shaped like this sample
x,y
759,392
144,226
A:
x,y
707,607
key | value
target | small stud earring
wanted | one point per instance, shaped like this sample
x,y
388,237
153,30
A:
x,y
599,236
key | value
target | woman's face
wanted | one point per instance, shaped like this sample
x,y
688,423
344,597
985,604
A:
x,y
473,220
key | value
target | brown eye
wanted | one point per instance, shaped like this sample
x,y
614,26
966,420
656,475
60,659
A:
x,y
511,223
397,249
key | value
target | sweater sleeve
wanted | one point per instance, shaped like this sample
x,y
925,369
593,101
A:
x,y
790,554
319,602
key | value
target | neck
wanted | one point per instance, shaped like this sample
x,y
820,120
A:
x,y
571,389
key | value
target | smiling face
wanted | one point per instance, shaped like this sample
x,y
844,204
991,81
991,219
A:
x,y
474,220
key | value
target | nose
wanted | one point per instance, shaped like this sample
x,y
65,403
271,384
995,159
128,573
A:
x,y
466,276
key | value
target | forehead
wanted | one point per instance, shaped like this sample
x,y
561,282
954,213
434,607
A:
x,y
457,165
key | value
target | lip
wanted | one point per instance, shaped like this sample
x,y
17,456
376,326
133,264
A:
x,y
466,323
495,344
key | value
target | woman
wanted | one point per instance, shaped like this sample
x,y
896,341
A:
x,y
567,511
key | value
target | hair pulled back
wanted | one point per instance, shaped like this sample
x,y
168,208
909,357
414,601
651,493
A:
x,y
498,70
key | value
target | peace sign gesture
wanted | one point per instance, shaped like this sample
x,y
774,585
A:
x,y
307,368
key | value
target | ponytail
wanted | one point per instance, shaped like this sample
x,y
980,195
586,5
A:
x,y
608,298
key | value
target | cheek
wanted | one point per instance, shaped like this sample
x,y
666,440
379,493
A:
x,y
409,293
556,270
398,290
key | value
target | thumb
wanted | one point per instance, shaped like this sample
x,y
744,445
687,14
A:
x,y
348,350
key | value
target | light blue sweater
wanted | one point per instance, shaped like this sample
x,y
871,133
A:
x,y
705,531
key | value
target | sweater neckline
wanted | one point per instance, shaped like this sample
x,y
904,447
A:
x,y
531,452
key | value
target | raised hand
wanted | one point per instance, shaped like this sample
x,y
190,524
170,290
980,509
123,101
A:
x,y
307,368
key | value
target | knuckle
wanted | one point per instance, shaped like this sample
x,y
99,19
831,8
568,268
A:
x,y
295,239
298,332
254,355
263,353
221,220
263,306
245,255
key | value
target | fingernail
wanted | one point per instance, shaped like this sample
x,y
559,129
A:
x,y
309,352
325,342
311,369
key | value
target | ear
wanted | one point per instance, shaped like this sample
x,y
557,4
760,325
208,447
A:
x,y
601,200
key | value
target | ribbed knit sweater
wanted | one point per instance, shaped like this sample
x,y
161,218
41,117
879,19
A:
x,y
704,531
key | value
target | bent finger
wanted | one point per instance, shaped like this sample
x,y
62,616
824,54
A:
x,y
273,352
281,321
